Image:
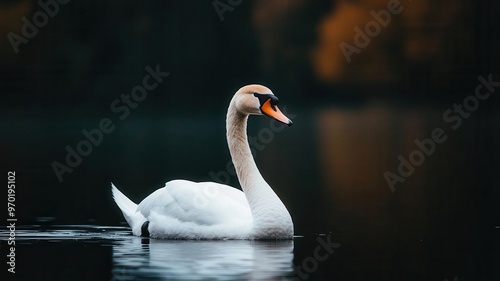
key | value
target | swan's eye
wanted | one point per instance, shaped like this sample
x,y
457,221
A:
x,y
265,97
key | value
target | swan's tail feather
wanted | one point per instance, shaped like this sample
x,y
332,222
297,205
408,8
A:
x,y
129,209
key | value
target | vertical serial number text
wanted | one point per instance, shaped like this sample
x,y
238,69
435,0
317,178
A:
x,y
11,221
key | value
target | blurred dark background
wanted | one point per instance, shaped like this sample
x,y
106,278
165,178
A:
x,y
352,120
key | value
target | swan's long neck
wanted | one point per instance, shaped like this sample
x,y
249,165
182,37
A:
x,y
270,216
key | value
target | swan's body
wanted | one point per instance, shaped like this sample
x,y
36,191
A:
x,y
206,210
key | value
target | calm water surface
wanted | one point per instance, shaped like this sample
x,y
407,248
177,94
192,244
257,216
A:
x,y
85,252
112,253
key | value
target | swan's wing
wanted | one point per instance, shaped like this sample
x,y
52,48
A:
x,y
204,203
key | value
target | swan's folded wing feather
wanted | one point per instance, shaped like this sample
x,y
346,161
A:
x,y
204,203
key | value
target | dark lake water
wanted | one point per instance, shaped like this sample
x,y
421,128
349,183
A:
x,y
85,252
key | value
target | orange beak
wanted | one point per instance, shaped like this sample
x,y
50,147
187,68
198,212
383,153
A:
x,y
274,112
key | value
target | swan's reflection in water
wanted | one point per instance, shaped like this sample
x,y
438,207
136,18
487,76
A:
x,y
145,259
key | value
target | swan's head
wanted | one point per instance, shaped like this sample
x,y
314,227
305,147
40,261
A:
x,y
259,100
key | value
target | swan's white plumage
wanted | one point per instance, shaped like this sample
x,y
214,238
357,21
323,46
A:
x,y
129,209
190,210
206,210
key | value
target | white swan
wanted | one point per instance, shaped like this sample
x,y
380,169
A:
x,y
207,210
